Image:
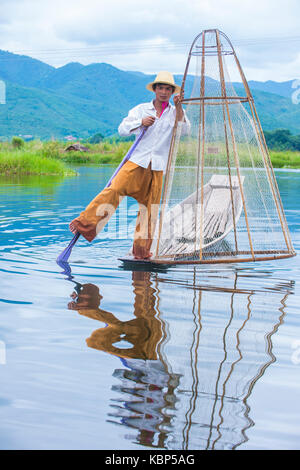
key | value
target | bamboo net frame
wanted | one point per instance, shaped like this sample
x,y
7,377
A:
x,y
199,396
228,119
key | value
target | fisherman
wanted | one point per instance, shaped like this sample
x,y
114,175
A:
x,y
141,177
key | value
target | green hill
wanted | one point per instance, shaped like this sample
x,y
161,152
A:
x,y
46,102
278,88
45,114
21,69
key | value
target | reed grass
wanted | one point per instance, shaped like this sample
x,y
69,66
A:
x,y
50,158
285,159
28,163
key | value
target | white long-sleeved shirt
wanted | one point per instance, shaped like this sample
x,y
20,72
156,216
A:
x,y
154,145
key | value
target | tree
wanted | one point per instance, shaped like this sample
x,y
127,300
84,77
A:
x,y
17,142
282,139
96,139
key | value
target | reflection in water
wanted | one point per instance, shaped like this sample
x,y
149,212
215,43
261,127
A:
x,y
28,183
143,333
189,366
146,379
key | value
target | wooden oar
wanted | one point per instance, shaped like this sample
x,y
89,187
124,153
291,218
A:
x,y
65,254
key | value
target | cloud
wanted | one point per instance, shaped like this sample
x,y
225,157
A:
x,y
149,36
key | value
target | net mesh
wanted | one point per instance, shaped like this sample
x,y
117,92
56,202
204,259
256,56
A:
x,y
220,198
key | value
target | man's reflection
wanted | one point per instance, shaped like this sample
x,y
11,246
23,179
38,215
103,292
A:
x,y
143,332
220,350
146,376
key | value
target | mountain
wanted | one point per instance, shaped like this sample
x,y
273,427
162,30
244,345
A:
x,y
277,88
45,114
21,69
82,100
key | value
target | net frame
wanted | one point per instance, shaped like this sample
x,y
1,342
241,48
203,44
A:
x,y
222,47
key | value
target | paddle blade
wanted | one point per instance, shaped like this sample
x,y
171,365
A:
x,y
65,254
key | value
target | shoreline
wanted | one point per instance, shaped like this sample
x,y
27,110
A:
x,y
38,158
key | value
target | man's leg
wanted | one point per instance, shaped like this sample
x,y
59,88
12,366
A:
x,y
149,199
96,215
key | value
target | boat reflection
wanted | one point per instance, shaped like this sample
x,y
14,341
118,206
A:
x,y
191,356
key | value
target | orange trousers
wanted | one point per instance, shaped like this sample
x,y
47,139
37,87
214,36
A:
x,y
144,185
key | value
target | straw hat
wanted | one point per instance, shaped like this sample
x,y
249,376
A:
x,y
167,79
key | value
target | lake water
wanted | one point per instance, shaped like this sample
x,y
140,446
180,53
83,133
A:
x,y
184,358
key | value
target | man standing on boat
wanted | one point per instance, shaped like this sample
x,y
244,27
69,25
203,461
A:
x,y
141,177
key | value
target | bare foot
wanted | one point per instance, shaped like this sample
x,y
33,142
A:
x,y
146,256
73,228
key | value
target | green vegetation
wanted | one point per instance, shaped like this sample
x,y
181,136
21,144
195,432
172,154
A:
x,y
285,159
282,139
96,138
52,158
30,159
105,152
31,164
216,156
17,142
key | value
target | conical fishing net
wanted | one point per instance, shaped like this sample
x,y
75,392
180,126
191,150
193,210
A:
x,y
220,200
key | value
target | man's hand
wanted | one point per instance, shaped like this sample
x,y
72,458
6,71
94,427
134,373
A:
x,y
177,99
148,121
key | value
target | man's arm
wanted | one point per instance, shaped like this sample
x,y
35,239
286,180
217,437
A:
x,y
182,118
178,107
132,122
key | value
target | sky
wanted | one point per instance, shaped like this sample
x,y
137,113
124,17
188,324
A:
x,y
151,36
